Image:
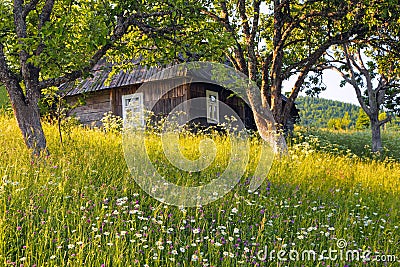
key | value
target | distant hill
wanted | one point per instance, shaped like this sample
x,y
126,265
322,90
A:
x,y
316,112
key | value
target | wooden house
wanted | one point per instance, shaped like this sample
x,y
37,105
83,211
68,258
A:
x,y
102,96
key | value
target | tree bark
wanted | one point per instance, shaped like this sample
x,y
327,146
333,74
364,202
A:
x,y
27,114
264,121
376,135
276,66
28,118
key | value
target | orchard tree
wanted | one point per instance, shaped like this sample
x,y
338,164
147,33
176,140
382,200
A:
x,y
44,43
376,88
272,41
371,65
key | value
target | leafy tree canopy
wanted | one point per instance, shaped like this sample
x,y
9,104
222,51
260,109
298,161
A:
x,y
45,43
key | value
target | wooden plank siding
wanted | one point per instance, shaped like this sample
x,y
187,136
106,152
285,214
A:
x,y
237,104
116,97
100,102
96,104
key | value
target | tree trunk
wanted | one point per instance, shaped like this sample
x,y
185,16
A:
x,y
376,136
28,118
27,113
265,124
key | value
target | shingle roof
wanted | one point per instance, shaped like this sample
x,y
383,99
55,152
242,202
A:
x,y
138,75
100,73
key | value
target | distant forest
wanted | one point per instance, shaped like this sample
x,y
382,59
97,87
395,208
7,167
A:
x,y
317,112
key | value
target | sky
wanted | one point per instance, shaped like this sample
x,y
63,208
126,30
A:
x,y
333,91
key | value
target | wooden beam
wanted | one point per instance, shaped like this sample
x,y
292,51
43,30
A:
x,y
113,106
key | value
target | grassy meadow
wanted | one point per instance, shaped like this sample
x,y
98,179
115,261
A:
x,y
81,207
351,142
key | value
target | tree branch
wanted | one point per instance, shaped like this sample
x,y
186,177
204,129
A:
x,y
241,63
250,35
29,73
223,21
344,76
19,19
243,16
43,18
386,120
302,76
335,40
353,82
119,31
294,42
256,18
29,7
296,22
46,12
232,60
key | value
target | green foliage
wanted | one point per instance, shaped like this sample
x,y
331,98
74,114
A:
x,y
334,124
394,124
81,207
4,101
5,105
382,116
67,125
50,103
77,30
318,112
340,123
345,121
362,120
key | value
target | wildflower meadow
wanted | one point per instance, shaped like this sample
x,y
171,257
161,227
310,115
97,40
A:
x,y
80,206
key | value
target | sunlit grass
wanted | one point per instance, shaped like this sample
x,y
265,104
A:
x,y
80,206
357,142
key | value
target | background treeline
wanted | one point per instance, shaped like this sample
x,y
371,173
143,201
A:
x,y
317,112
324,113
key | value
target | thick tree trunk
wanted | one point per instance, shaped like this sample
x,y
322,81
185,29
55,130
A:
x,y
265,124
28,118
27,113
376,136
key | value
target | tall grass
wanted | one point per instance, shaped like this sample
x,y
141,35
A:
x,y
80,206
357,142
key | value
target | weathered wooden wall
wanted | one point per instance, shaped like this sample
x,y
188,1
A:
x,y
116,97
236,103
173,93
97,103
152,93
100,102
